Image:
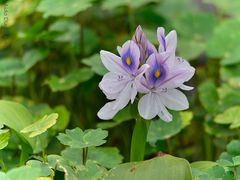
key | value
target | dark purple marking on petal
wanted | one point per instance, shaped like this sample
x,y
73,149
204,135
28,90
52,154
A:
x,y
156,74
128,61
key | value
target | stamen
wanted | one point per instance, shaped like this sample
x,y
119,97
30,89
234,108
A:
x,y
128,60
157,73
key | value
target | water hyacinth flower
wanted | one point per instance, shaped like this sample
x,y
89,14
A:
x,y
167,72
141,68
121,82
163,78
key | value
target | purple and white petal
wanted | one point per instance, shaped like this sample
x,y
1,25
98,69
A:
x,y
140,39
171,41
174,99
161,39
124,97
107,112
130,55
112,62
177,76
113,83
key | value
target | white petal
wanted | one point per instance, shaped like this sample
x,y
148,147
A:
x,y
112,62
174,99
106,112
133,92
186,88
171,41
124,97
147,106
164,114
113,83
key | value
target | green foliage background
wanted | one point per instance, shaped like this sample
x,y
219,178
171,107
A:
x,y
49,62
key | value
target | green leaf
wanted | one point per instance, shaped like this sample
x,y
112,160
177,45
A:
x,y
16,117
229,116
57,162
154,169
223,6
236,160
43,167
191,34
160,130
76,138
107,157
90,171
108,4
70,80
203,165
225,39
73,7
95,63
4,137
233,147
33,56
30,173
68,31
224,162
208,96
231,58
63,119
18,66
41,125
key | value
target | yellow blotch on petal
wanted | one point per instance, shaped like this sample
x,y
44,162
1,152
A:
x,y
128,60
157,73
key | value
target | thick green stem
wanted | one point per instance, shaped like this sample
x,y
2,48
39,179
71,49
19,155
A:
x,y
139,137
84,155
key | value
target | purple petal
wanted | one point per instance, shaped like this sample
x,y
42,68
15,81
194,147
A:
x,y
151,49
156,72
130,55
140,39
161,39
171,41
178,74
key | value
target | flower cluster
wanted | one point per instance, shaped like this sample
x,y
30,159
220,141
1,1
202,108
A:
x,y
141,68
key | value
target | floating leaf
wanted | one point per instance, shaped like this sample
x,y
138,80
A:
x,y
229,116
41,125
95,63
73,7
16,117
28,172
76,138
43,167
154,169
4,137
70,80
208,96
